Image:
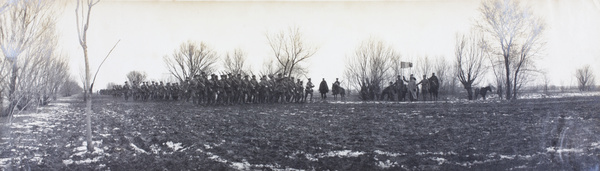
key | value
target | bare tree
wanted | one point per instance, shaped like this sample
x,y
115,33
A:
x,y
443,70
424,65
372,61
470,53
82,14
546,81
70,87
235,62
516,32
498,70
290,50
268,67
397,66
585,78
136,77
23,24
4,73
191,59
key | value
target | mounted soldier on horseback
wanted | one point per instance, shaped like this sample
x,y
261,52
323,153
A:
x,y
336,89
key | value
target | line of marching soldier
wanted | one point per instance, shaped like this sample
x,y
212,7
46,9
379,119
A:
x,y
226,89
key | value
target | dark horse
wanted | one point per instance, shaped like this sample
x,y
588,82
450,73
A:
x,y
434,86
483,91
336,89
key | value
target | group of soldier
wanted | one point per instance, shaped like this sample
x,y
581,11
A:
x,y
237,89
224,89
399,91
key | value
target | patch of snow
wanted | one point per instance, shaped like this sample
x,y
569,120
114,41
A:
x,y
564,150
216,158
68,162
343,153
436,153
174,146
104,135
241,165
244,165
155,149
468,164
558,95
510,157
596,145
137,149
4,162
386,164
389,153
311,157
439,160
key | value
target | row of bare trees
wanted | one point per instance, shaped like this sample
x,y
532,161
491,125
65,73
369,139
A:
x,y
289,49
507,38
515,40
375,62
372,63
32,71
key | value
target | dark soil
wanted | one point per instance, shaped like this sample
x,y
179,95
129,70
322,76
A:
x,y
535,134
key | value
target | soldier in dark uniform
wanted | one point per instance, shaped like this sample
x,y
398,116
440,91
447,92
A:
x,y
323,89
400,88
364,91
308,90
253,90
299,94
424,87
126,91
212,89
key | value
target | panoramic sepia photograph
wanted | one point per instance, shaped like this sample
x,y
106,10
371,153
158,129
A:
x,y
300,85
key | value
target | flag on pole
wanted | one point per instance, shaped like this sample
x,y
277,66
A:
x,y
406,65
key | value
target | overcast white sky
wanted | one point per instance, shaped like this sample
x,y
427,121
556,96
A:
x,y
149,30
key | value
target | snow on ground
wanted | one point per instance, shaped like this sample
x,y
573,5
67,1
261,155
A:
x,y
465,101
137,149
595,145
386,164
81,150
564,150
33,123
390,154
558,95
439,160
341,153
174,146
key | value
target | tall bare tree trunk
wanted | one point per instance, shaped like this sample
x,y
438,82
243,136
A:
x,y
82,33
508,82
88,103
12,88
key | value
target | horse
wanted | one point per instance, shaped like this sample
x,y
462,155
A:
x,y
338,90
482,91
388,92
433,89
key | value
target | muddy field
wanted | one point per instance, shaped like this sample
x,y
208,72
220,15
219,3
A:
x,y
531,134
